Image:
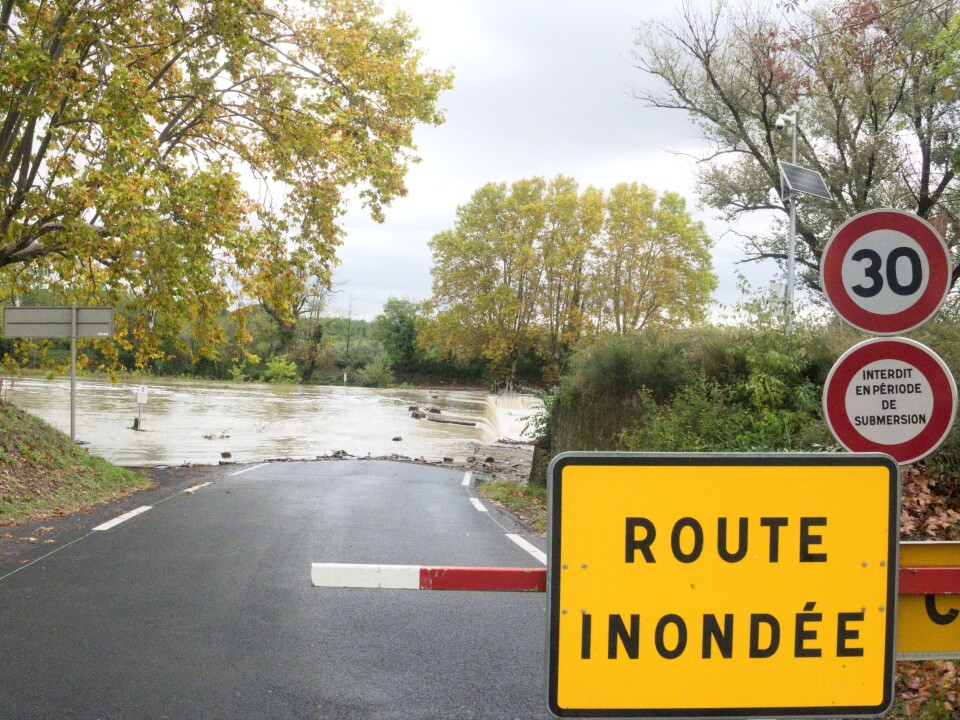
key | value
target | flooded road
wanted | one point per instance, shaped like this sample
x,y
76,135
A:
x,y
195,422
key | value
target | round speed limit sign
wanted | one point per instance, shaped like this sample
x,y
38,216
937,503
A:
x,y
886,271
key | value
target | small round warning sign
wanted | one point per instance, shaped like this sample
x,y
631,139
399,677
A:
x,y
886,271
890,395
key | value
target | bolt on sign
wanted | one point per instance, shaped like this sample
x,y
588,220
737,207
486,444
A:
x,y
722,585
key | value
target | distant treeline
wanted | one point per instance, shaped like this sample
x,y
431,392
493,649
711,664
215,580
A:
x,y
316,348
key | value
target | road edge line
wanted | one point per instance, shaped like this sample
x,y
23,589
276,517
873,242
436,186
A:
x,y
529,547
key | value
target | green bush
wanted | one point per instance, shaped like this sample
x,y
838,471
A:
x,y
745,388
699,418
623,364
280,370
376,373
706,417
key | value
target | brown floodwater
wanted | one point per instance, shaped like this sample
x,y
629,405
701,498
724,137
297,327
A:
x,y
196,422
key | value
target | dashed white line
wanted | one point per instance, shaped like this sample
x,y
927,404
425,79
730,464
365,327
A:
x,y
529,547
478,505
122,518
467,479
246,470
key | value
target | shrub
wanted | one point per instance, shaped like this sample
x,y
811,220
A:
x,y
280,370
376,373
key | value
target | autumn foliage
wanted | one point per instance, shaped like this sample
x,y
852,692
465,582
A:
x,y
195,155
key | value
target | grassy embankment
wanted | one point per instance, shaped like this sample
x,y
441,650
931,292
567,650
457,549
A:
x,y
528,502
43,473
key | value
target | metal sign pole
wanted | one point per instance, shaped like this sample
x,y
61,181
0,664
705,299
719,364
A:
x,y
73,372
792,240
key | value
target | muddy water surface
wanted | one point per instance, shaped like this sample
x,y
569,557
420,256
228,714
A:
x,y
196,422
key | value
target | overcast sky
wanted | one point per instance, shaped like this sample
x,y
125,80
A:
x,y
541,88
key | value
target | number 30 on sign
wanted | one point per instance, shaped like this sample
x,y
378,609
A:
x,y
886,271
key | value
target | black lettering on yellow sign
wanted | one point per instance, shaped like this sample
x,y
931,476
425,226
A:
x,y
671,635
687,539
713,635
930,603
756,620
774,523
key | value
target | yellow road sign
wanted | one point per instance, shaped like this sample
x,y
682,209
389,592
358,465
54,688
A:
x,y
928,626
722,585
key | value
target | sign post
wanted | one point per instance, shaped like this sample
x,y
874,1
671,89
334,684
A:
x,y
141,401
692,585
60,322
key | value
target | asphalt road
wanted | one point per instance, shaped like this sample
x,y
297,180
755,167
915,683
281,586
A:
x,y
203,607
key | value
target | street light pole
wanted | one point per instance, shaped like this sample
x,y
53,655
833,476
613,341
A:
x,y
791,118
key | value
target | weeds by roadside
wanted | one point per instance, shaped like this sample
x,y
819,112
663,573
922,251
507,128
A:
x,y
527,502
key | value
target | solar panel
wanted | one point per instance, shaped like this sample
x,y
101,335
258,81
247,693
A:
x,y
801,180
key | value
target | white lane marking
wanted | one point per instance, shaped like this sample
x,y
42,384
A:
x,y
529,547
478,505
467,478
343,575
122,518
193,489
245,470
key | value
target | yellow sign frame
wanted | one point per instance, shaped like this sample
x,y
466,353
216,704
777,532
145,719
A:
x,y
775,581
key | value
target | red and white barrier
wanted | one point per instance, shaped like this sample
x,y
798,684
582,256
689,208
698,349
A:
x,y
415,577
913,580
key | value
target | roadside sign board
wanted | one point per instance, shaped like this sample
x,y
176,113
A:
x,y
60,322
886,271
890,395
721,585
142,395
928,626
55,322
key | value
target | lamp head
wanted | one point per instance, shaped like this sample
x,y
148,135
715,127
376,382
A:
x,y
787,118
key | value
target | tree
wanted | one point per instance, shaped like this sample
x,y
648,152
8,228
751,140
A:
x,y
134,135
652,265
486,274
543,260
875,118
573,221
396,329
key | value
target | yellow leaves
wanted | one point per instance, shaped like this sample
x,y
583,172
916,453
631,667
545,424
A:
x,y
541,258
154,123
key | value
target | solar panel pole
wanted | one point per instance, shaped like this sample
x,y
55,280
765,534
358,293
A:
x,y
791,118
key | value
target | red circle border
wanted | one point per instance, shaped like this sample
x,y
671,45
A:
x,y
930,365
938,259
